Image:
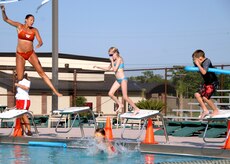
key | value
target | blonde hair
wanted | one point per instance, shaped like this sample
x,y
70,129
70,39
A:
x,y
198,53
114,50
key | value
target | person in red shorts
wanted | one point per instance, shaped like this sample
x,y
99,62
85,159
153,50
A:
x,y
23,101
209,86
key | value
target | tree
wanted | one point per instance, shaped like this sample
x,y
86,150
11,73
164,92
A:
x,y
147,77
186,83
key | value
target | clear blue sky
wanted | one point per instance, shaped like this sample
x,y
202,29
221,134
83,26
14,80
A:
x,y
148,33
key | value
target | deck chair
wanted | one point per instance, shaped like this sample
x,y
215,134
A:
x,y
189,129
171,127
14,113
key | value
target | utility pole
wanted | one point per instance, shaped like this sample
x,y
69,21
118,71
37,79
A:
x,y
165,94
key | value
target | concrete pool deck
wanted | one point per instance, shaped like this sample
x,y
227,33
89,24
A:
x,y
194,146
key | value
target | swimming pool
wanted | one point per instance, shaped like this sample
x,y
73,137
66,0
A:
x,y
48,155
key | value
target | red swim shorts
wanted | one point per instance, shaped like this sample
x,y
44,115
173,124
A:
x,y
23,104
207,90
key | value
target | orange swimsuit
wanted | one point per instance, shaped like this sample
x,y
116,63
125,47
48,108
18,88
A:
x,y
24,35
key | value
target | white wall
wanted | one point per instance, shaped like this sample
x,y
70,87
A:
x,y
3,99
36,104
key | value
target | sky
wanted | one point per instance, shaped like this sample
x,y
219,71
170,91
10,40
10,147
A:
x,y
148,33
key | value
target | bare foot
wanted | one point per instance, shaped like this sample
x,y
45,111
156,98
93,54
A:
x,y
119,108
203,115
214,113
136,112
58,94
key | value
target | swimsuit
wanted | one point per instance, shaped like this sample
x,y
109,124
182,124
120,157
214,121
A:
x,y
24,35
121,79
25,55
121,66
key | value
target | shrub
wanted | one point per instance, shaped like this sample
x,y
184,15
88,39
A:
x,y
80,101
150,104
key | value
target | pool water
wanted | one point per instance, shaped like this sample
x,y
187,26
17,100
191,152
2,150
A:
x,y
19,154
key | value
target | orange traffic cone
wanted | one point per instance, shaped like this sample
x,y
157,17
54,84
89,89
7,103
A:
x,y
227,142
17,128
149,136
108,129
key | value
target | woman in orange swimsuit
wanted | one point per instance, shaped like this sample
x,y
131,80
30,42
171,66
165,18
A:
x,y
25,50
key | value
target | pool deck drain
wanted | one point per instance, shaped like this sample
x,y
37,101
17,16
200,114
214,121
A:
x,y
194,146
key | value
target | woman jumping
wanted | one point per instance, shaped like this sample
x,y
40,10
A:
x,y
25,49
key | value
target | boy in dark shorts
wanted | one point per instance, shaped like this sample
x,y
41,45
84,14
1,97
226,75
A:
x,y
209,86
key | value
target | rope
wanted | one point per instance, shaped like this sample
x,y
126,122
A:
x,y
102,104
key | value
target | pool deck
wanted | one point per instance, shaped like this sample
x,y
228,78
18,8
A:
x,y
194,146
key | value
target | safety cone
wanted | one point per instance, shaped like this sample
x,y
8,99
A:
x,y
108,129
227,142
17,128
149,136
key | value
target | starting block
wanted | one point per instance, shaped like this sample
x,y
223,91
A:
x,y
16,113
75,111
223,116
144,115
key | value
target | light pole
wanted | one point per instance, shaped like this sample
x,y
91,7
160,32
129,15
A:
x,y
55,51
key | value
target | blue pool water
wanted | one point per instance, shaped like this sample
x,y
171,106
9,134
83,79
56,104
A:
x,y
19,154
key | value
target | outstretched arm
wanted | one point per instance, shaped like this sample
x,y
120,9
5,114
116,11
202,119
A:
x,y
7,20
103,68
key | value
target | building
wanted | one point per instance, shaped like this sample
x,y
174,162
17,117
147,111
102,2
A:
x,y
77,77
